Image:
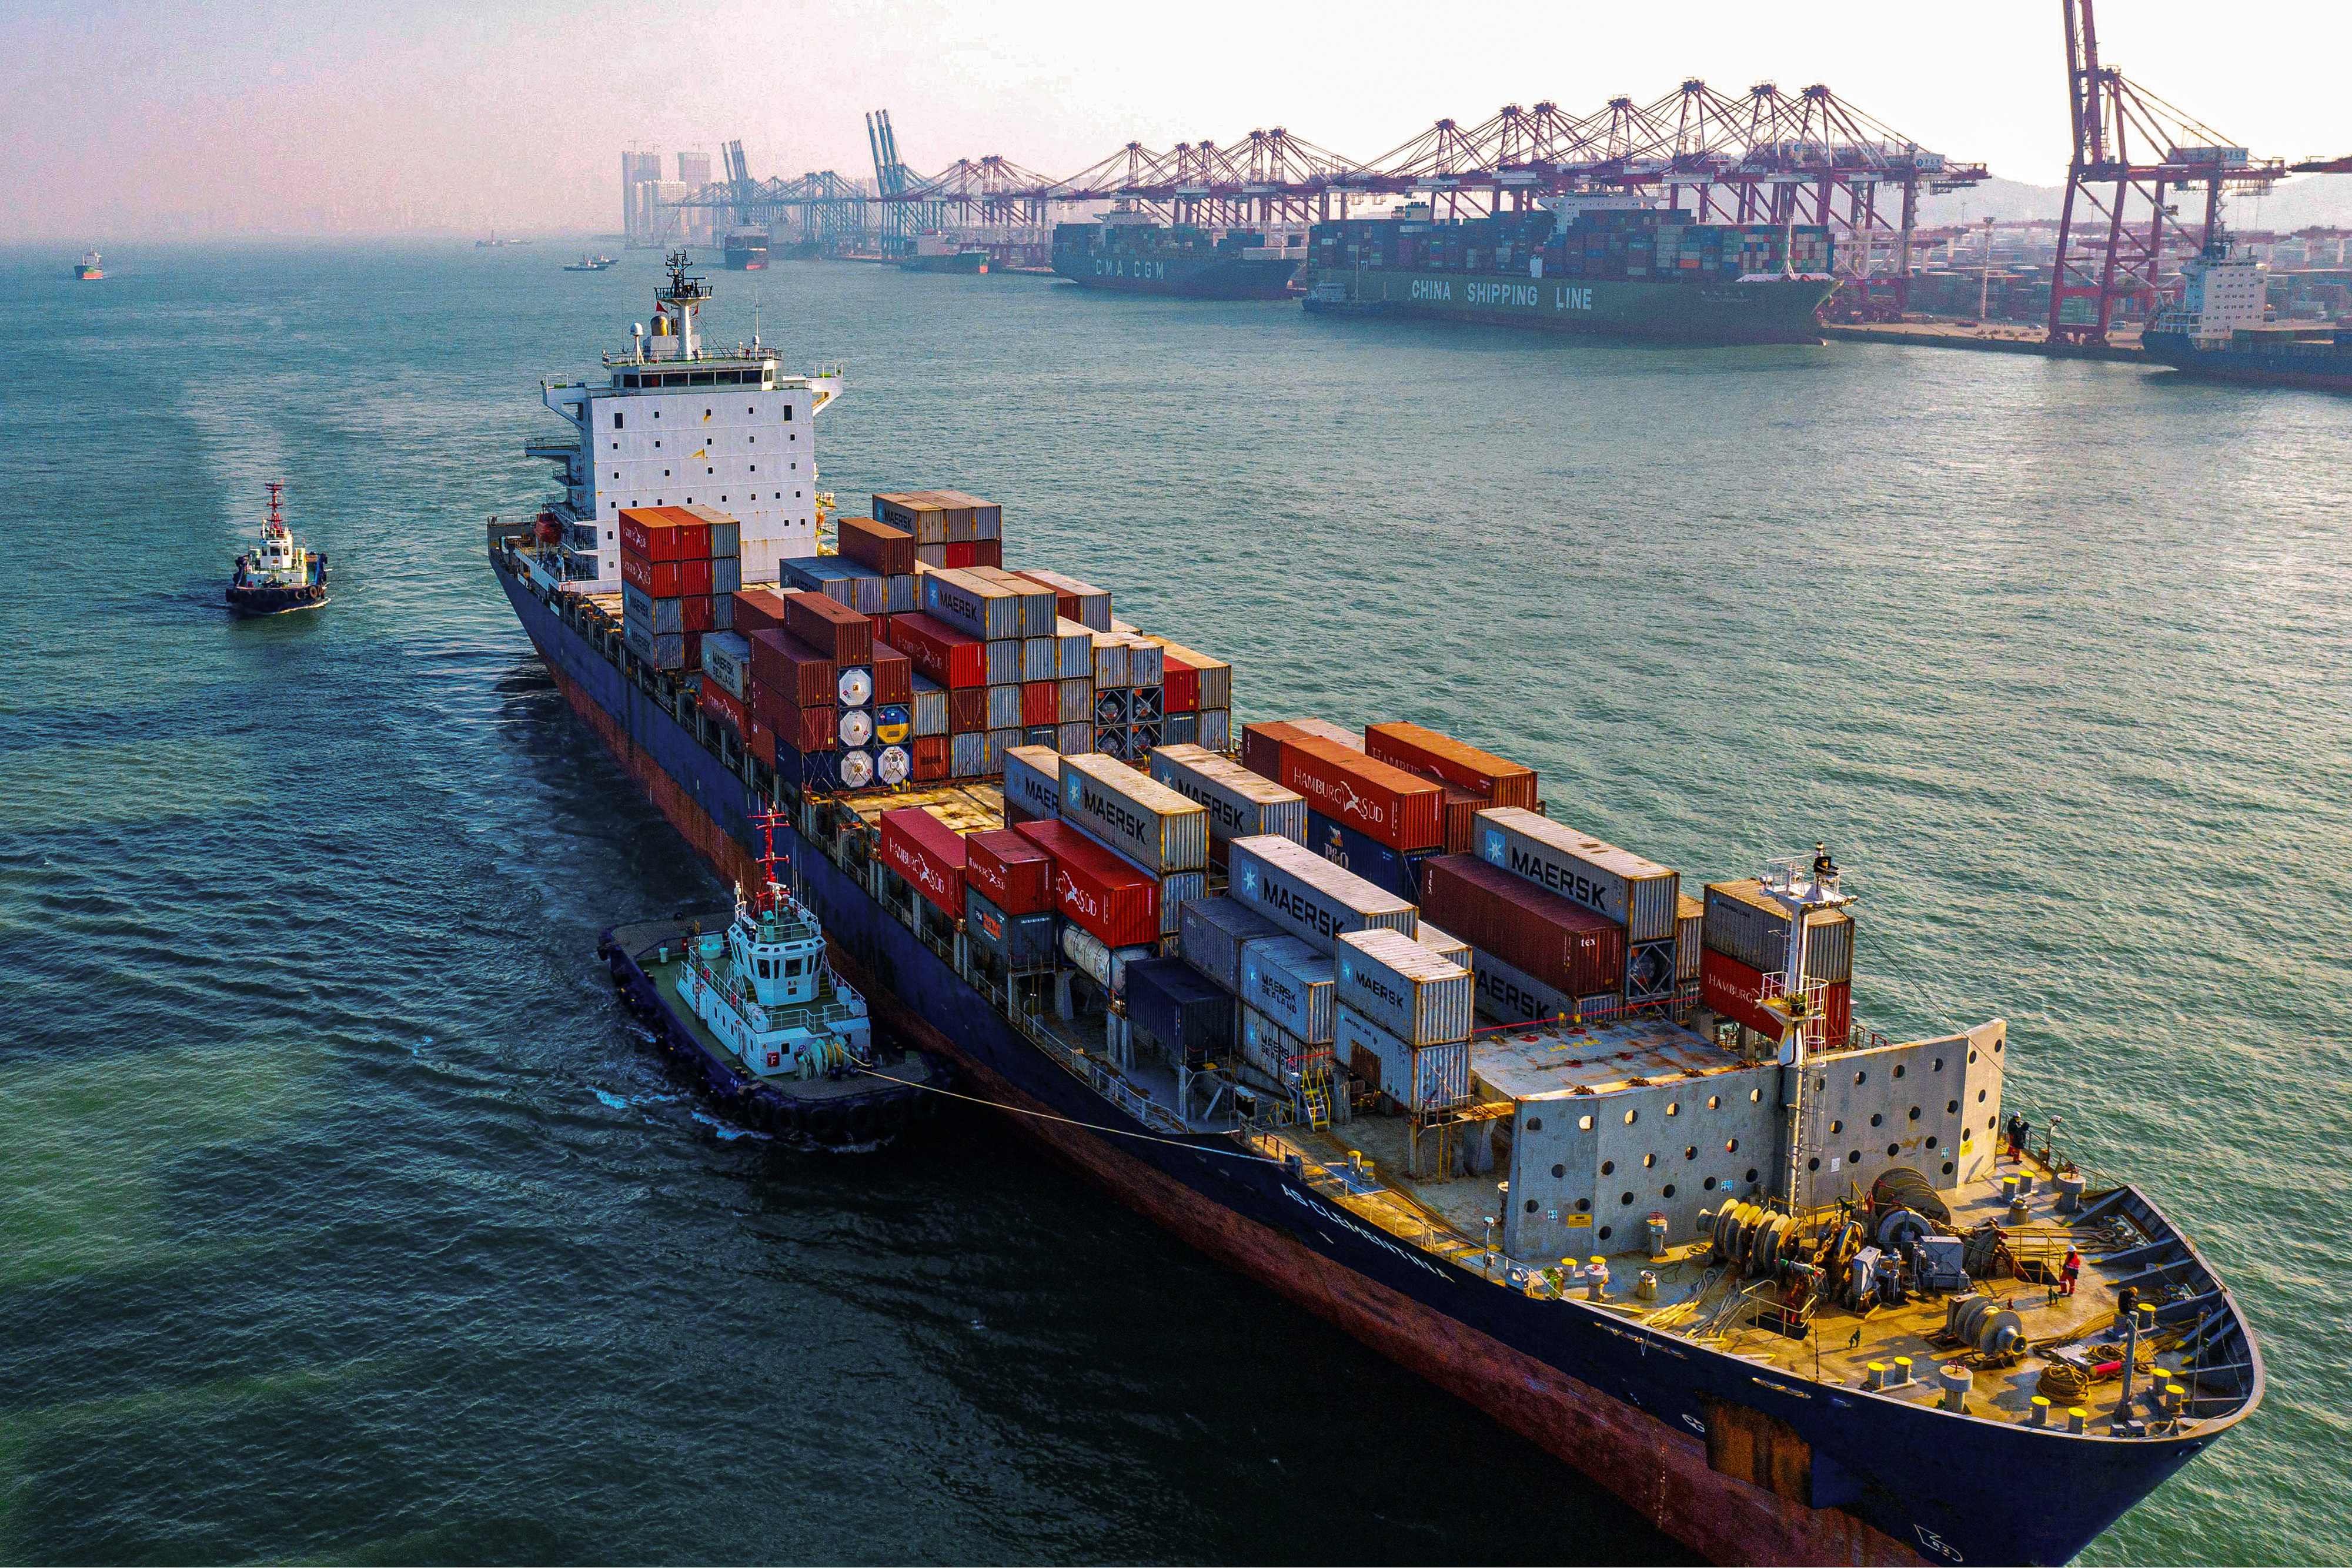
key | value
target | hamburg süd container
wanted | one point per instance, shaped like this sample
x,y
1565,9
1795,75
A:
x,y
1742,922
1496,780
1639,894
663,534
1735,991
1240,804
972,604
726,659
1424,1078
1096,888
1308,895
1402,986
1019,942
1212,932
1292,982
1016,875
1560,944
1383,803
1151,824
929,855
1033,780
952,658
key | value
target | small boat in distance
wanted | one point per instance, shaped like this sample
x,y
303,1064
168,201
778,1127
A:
x,y
280,574
588,264
87,269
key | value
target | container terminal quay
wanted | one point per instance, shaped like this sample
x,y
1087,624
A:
x,y
1753,215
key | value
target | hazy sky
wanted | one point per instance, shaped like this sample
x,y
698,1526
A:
x,y
125,119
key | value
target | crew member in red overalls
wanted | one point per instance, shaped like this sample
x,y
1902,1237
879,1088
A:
x,y
2068,1271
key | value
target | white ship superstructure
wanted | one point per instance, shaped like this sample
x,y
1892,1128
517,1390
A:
x,y
2225,293
680,423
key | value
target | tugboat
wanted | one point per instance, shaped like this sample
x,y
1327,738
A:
x,y
280,575
588,264
781,1042
87,269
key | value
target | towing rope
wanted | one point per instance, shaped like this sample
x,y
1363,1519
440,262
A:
x,y
1066,1120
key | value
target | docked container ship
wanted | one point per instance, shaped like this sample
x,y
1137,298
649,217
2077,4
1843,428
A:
x,y
1611,1161
1612,264
936,252
1128,253
745,249
2221,329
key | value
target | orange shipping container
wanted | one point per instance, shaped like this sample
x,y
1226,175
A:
x,y
1385,804
1501,782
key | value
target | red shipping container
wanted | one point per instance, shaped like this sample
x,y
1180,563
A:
x,y
1179,684
888,550
1730,987
1562,945
928,854
807,728
759,609
724,706
988,552
894,675
1011,872
760,741
1385,804
930,756
1499,782
653,534
1462,808
940,653
1096,888
1262,745
1040,704
960,552
1837,1013
832,628
790,670
967,710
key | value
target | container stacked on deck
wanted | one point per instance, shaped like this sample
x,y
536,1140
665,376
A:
x,y
679,567
1745,937
1375,819
1197,696
949,528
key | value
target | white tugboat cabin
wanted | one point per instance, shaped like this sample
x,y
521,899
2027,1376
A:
x,y
765,988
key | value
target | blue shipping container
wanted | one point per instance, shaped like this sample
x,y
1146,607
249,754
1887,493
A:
x,y
1169,1001
1019,942
1395,871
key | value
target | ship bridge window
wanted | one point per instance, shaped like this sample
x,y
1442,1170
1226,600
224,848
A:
x,y
703,379
787,413
616,422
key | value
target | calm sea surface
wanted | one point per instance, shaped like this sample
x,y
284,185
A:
x,y
343,1216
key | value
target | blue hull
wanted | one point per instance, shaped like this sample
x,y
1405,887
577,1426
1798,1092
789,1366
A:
x,y
2324,371
1722,1453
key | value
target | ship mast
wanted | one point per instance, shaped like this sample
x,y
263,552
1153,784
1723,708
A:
x,y
276,523
1797,889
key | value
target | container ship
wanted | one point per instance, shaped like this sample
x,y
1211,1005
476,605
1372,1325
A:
x,y
2221,329
1128,252
1613,265
1358,1013
935,252
745,250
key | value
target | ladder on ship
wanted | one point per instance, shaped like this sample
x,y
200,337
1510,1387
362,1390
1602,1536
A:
x,y
1317,1101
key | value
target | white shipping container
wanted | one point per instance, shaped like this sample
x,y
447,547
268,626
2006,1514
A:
x,y
1033,780
931,706
726,659
1425,1078
1093,603
1240,803
1110,659
1144,821
1640,894
1072,739
1281,1055
1212,934
1404,988
1292,984
1074,652
1306,895
1004,705
1074,701
1443,945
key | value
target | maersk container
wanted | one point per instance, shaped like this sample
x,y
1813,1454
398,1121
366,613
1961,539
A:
x,y
1073,651
1343,846
1080,602
1293,984
1109,660
1040,605
1216,728
1033,780
1240,804
1005,706
1690,925
1002,661
1176,890
1566,946
931,706
1639,894
1281,1055
1103,965
972,604
968,755
1306,894
1213,932
1404,988
663,650
1742,923
1019,942
726,659
1074,701
1041,659
1147,822
1072,738
1443,945
1192,1020
1425,1078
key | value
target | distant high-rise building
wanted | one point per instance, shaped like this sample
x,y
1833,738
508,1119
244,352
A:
x,y
694,168
637,170
658,222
